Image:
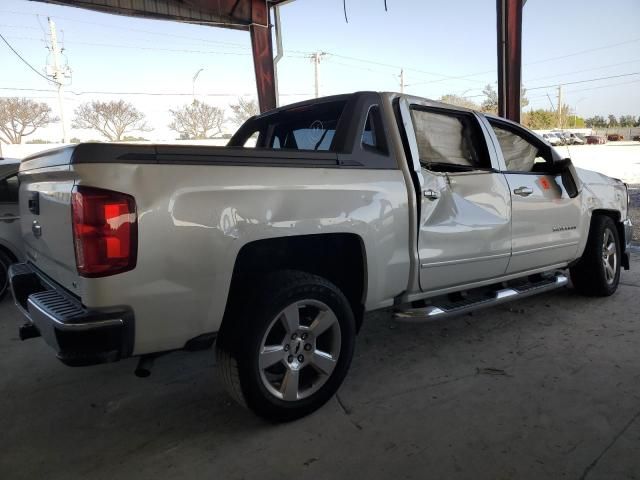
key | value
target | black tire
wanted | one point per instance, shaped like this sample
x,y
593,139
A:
x,y
5,261
590,276
248,327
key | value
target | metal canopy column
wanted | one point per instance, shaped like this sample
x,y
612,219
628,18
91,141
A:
x,y
262,48
509,57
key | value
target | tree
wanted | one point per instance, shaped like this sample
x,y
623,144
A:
x,y
195,120
576,122
112,119
524,101
490,103
539,119
20,117
596,122
627,120
613,121
453,99
244,110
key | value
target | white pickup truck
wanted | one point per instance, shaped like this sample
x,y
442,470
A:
x,y
315,213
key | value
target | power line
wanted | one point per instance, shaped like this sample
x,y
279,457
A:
x,y
581,52
26,62
584,81
159,94
113,45
603,86
584,70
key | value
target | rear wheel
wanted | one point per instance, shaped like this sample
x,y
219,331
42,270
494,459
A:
x,y
288,349
5,261
598,271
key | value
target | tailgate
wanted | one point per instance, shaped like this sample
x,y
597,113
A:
x,y
46,182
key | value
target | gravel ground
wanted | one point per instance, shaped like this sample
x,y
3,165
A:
x,y
634,211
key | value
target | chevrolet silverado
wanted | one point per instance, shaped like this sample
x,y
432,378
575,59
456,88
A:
x,y
275,246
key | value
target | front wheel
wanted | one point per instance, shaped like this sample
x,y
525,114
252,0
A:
x,y
287,350
598,271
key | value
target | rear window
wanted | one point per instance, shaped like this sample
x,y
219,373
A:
x,y
310,128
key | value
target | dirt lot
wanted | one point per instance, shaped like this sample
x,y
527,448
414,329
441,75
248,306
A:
x,y
547,387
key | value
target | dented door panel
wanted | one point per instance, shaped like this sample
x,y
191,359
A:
x,y
465,234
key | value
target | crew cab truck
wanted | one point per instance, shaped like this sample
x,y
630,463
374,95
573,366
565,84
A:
x,y
314,213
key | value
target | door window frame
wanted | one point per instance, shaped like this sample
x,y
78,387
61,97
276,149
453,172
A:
x,y
405,106
524,134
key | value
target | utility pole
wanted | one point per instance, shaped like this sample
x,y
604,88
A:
x,y
193,85
315,58
59,73
402,80
560,106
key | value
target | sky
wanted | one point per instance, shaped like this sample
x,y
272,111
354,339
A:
x,y
563,42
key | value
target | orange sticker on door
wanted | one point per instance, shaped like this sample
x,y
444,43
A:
x,y
545,184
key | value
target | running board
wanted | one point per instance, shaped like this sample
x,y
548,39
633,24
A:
x,y
450,308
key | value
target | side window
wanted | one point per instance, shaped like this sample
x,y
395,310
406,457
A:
x,y
369,137
9,190
449,141
520,155
252,140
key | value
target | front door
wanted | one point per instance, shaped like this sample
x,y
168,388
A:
x,y
464,226
546,219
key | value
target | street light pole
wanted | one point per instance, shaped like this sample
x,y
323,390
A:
x,y
193,85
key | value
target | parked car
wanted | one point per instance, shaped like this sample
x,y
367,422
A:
x,y
553,139
576,138
10,237
615,137
564,138
596,140
347,204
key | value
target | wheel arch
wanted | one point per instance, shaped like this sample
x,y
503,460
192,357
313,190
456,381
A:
x,y
339,257
617,220
7,251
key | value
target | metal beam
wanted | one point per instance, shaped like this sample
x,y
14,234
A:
x,y
509,14
262,48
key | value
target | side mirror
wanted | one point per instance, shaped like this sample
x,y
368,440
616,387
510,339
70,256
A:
x,y
561,164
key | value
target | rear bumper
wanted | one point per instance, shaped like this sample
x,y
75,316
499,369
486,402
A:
x,y
79,336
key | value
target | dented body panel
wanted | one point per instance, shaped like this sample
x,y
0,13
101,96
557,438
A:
x,y
423,232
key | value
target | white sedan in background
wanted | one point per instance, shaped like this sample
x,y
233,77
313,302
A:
x,y
10,250
552,139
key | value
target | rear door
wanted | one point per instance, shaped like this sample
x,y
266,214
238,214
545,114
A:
x,y
546,219
464,226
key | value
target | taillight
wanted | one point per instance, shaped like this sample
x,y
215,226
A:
x,y
105,231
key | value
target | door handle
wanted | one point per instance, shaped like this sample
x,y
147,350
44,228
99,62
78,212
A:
x,y
8,218
431,194
523,191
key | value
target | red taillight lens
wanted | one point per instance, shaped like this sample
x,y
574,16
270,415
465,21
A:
x,y
105,231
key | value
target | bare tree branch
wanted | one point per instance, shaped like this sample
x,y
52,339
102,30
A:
x,y
196,120
112,119
244,110
20,117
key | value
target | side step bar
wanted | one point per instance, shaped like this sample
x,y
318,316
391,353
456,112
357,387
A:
x,y
447,308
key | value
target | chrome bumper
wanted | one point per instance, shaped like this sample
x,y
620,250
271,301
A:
x,y
80,336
